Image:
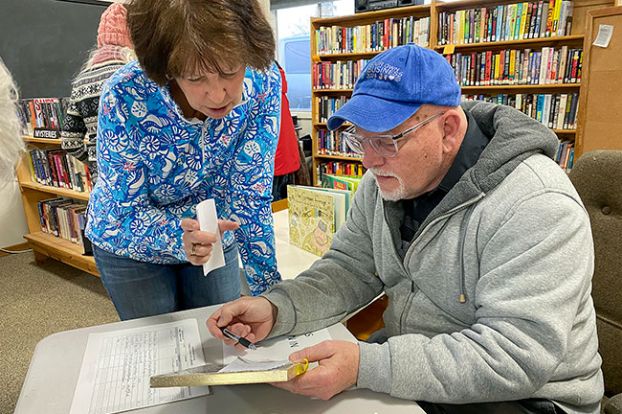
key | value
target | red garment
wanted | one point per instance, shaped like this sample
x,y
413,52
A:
x,y
287,158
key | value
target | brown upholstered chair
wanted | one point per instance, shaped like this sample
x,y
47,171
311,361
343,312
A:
x,y
597,177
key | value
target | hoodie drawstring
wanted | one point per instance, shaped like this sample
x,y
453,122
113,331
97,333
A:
x,y
465,221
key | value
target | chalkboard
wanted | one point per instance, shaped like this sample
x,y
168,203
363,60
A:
x,y
44,43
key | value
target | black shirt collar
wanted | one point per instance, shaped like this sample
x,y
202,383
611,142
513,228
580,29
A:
x,y
471,149
417,210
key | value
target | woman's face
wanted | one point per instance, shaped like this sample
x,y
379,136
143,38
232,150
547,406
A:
x,y
213,94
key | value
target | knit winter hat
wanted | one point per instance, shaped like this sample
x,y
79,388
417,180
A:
x,y
113,28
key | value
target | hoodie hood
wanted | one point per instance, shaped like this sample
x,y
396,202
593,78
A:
x,y
514,138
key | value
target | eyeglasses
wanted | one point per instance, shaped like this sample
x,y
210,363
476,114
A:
x,y
385,145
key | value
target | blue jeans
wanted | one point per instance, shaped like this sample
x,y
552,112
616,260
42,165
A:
x,y
140,289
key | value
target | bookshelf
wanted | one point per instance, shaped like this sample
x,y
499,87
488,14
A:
x,y
43,244
333,57
341,45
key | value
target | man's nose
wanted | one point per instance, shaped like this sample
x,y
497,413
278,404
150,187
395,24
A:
x,y
371,158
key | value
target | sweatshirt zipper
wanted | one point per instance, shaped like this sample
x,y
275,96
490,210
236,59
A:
x,y
462,295
445,215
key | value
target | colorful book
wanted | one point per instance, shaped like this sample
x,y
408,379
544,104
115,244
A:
x,y
340,182
311,218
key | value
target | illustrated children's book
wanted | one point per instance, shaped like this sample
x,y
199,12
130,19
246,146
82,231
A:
x,y
311,218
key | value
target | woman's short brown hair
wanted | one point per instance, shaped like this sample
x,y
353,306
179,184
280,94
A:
x,y
173,38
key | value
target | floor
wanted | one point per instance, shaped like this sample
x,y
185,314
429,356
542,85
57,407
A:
x,y
37,301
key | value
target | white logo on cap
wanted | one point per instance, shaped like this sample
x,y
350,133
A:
x,y
384,71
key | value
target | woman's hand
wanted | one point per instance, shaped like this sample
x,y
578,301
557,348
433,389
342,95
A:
x,y
198,244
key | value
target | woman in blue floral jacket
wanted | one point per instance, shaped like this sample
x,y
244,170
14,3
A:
x,y
197,117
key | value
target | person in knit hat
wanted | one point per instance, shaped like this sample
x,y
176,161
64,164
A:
x,y
113,28
114,49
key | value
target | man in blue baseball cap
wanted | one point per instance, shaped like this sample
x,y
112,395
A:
x,y
476,236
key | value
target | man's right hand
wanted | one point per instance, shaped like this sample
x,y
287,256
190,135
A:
x,y
250,317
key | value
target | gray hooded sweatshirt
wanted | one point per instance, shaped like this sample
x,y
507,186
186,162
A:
x,y
512,238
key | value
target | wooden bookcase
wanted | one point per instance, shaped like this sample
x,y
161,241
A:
x,y
46,245
600,104
434,11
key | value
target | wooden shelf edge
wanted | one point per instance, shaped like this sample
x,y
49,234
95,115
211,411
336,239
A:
x,y
422,10
62,192
332,90
323,124
478,87
27,138
61,250
338,157
533,41
519,87
347,55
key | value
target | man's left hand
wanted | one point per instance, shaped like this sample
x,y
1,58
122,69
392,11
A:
x,y
338,370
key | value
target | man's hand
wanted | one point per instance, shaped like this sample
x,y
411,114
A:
x,y
198,244
338,370
250,317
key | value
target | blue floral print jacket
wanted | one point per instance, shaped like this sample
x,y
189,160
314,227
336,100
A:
x,y
155,166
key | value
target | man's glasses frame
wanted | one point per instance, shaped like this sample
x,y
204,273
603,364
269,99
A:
x,y
385,145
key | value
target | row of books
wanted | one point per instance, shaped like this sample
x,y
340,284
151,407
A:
x,y
42,117
62,217
56,168
377,36
328,105
558,111
518,67
339,168
332,143
340,182
336,75
565,155
526,20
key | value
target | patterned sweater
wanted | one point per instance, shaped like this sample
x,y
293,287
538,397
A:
x,y
155,166
80,124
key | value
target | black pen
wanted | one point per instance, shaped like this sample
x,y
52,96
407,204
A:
x,y
240,340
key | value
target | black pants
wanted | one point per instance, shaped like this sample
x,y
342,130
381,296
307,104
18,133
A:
x,y
279,186
532,406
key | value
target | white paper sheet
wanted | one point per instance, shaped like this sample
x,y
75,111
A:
x,y
605,32
271,353
208,221
239,365
117,367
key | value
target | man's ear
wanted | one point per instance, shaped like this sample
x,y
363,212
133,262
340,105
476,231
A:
x,y
453,132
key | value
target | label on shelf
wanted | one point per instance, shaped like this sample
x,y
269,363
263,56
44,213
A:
x,y
449,49
46,133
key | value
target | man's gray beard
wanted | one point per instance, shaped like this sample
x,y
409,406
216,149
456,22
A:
x,y
395,195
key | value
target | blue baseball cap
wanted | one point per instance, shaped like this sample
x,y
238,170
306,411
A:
x,y
394,85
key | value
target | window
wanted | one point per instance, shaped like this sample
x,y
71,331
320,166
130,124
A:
x,y
294,48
